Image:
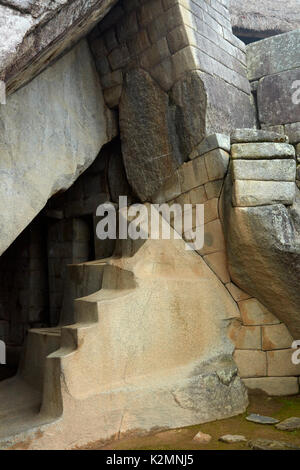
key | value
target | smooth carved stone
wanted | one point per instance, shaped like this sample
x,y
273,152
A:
x,y
264,170
289,424
216,163
256,135
251,363
202,438
273,386
232,439
212,142
276,337
273,55
278,98
262,151
256,418
266,444
261,193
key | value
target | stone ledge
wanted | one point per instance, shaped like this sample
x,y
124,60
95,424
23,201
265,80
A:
x,y
262,151
264,170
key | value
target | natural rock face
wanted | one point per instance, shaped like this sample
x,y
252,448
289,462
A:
x,y
263,245
262,19
51,131
33,33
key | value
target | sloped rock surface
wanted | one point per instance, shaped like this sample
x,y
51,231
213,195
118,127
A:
x,y
34,32
50,132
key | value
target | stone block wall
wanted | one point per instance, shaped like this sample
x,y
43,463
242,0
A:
x,y
262,342
153,59
274,72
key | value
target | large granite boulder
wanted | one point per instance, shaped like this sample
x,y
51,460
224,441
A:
x,y
50,132
263,247
262,19
33,33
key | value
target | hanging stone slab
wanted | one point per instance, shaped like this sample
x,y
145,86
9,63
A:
x,y
289,424
256,135
232,439
266,444
255,418
263,150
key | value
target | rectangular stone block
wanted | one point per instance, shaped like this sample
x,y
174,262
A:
x,y
273,55
193,174
280,363
293,132
213,189
274,386
264,170
198,195
213,238
276,337
262,151
216,163
211,210
245,337
260,193
254,313
251,363
212,142
256,135
278,98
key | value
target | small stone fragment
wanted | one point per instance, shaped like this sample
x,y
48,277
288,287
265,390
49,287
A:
x,y
231,438
202,438
255,418
289,424
266,444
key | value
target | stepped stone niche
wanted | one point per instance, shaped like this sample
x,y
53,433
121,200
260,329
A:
x,y
158,101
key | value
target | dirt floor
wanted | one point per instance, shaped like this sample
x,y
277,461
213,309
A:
x,y
182,439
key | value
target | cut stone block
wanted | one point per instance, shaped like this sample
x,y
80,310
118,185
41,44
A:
x,y
273,55
256,135
213,238
237,293
216,163
261,193
262,150
218,263
193,174
211,210
293,132
274,386
198,195
251,363
213,188
276,337
280,363
254,313
245,337
277,99
264,170
211,142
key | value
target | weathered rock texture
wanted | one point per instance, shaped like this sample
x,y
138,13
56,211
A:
x,y
257,19
51,131
33,33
